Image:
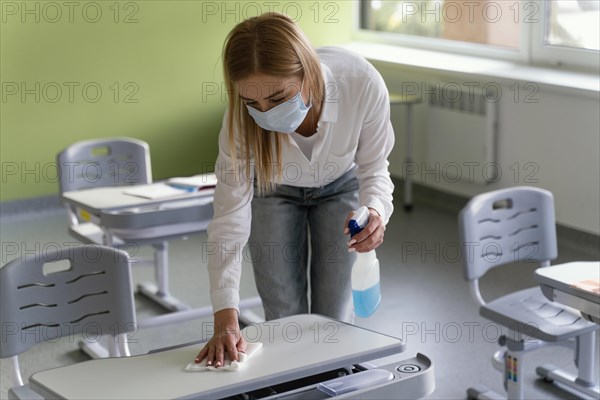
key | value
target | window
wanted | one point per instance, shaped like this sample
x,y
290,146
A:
x,y
569,34
573,24
556,32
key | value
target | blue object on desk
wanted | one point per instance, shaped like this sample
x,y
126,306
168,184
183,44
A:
x,y
187,188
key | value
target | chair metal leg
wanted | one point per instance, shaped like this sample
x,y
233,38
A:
x,y
15,373
122,345
113,346
498,360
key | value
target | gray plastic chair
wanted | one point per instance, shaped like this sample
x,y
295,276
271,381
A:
x,y
39,305
101,163
517,225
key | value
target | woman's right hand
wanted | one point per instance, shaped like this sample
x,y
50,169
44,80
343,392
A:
x,y
227,337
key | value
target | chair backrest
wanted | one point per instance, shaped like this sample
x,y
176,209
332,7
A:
x,y
92,296
104,162
507,226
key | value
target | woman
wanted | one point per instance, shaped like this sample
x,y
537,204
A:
x,y
304,142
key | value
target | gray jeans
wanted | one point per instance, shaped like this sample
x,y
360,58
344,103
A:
x,y
292,224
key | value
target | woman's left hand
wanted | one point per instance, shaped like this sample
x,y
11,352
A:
x,y
370,237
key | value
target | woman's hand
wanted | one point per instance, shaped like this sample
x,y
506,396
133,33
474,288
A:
x,y
370,237
227,338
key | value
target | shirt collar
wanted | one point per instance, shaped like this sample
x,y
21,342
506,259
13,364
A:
x,y
329,113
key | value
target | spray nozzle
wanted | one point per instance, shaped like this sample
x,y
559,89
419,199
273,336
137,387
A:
x,y
359,220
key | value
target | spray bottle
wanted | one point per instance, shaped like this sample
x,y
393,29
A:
x,y
366,291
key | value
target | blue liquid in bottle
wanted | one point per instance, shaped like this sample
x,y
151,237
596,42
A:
x,y
366,301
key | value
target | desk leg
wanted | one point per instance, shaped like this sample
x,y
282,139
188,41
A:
x,y
408,205
159,292
108,237
586,380
586,354
161,261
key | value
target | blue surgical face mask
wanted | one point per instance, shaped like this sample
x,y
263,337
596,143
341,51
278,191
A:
x,y
285,117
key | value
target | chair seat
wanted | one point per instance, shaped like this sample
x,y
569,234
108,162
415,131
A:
x,y
531,314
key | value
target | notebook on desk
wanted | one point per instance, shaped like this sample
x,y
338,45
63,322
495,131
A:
x,y
174,187
196,182
155,191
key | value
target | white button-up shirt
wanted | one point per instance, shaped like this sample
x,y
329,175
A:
x,y
354,129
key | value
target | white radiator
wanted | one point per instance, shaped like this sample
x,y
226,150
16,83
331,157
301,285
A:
x,y
461,132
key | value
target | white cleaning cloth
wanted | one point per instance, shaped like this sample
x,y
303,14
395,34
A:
x,y
228,365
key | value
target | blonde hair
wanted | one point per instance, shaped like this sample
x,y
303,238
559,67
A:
x,y
269,44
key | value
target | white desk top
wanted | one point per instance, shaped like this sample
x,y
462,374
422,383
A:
x,y
293,347
114,198
576,278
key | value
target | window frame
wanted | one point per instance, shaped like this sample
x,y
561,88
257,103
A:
x,y
558,56
532,49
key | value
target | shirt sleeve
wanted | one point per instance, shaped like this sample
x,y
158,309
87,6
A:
x,y
229,229
374,146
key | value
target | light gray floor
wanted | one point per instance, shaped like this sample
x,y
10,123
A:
x,y
425,300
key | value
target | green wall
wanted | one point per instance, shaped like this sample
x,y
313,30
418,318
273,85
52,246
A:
x,y
144,69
